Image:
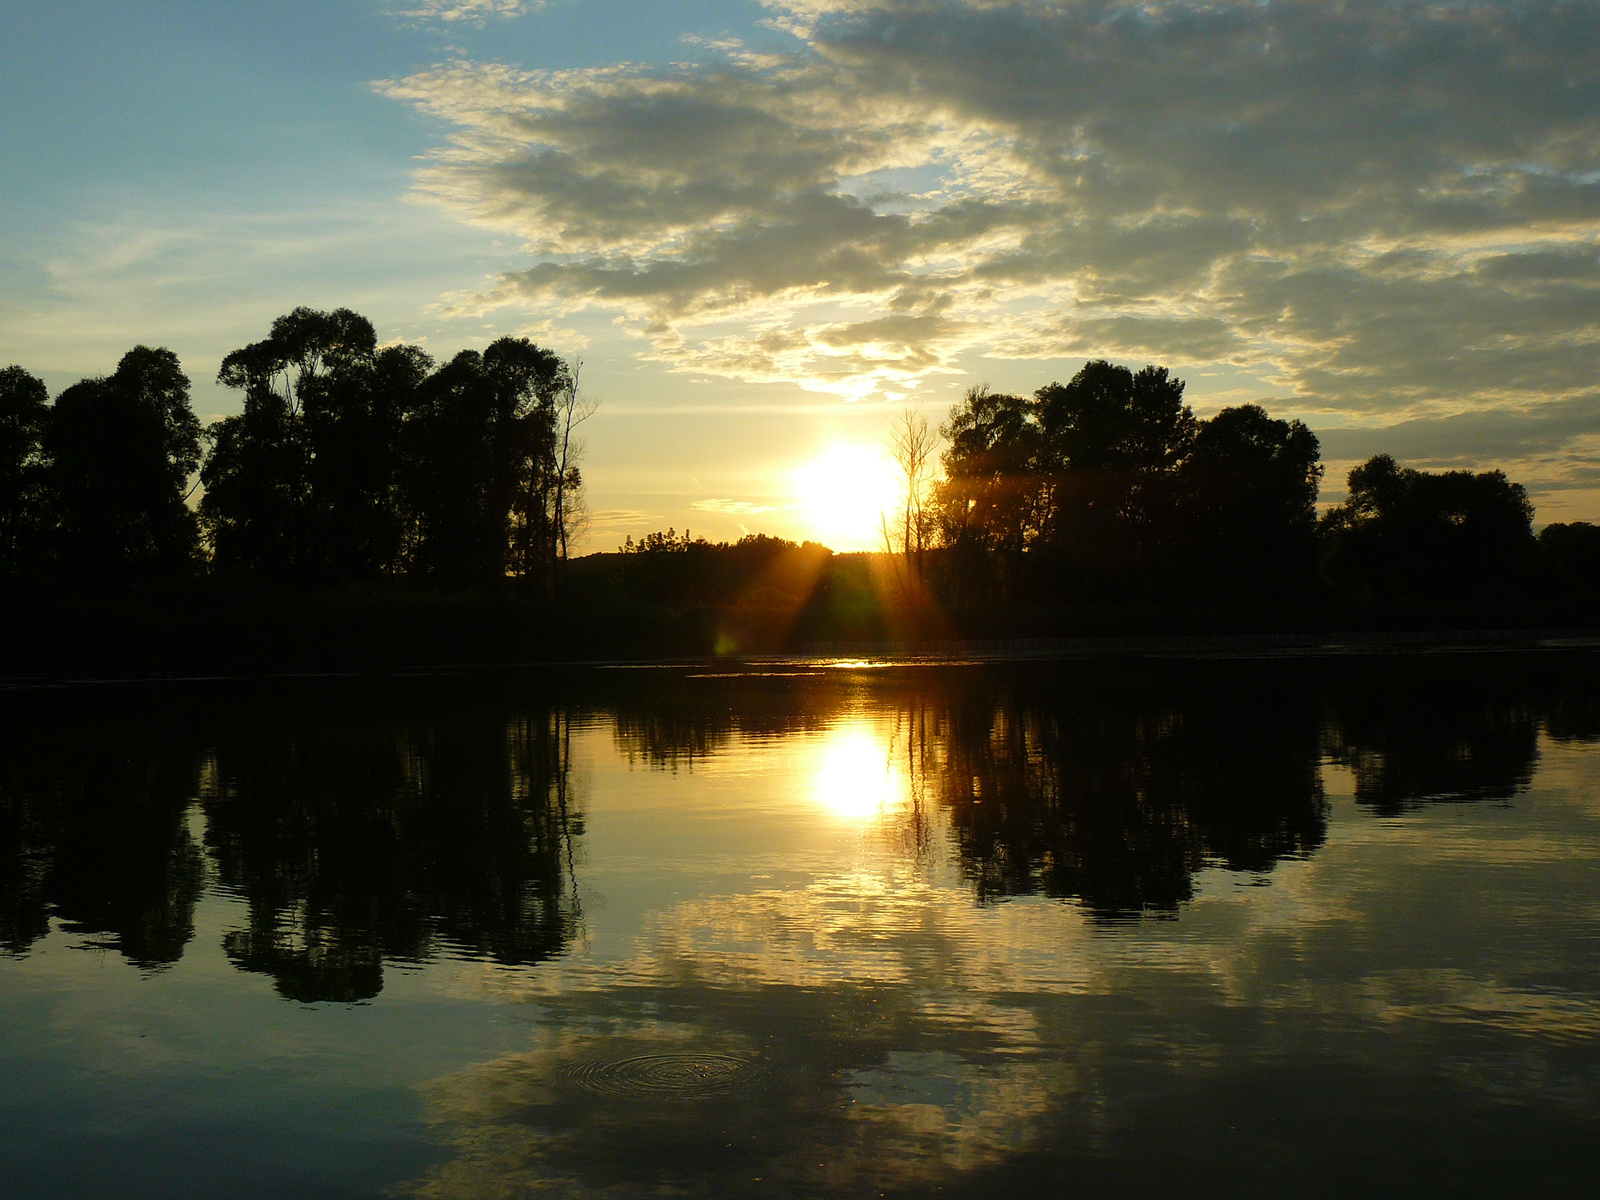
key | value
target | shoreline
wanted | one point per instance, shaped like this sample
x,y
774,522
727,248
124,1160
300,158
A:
x,y
885,655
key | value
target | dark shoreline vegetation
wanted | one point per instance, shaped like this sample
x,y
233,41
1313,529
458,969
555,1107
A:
x,y
371,510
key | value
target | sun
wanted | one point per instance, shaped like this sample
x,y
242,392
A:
x,y
847,490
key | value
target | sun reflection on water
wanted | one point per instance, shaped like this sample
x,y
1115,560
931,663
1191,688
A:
x,y
856,776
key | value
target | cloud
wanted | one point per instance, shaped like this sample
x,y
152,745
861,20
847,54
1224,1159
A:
x,y
1469,438
1379,211
477,11
733,508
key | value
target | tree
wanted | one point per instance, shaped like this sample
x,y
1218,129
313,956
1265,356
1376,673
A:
x,y
991,499
988,495
1247,505
1111,442
1572,551
24,410
120,453
1407,533
352,418
1107,419
349,462
479,453
567,506
298,484
911,445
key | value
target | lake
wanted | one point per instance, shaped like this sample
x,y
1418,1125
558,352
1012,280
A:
x,y
1222,926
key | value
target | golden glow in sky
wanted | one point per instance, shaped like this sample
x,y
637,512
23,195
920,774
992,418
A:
x,y
856,777
846,492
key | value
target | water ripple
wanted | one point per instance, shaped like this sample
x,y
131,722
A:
x,y
686,1076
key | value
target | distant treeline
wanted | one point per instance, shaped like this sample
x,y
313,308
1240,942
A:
x,y
1109,490
349,462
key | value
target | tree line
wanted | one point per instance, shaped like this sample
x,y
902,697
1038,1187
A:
x,y
349,462
1109,488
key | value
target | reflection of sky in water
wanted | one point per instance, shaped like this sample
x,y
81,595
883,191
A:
x,y
1408,1006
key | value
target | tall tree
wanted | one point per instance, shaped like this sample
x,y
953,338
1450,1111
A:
x,y
478,478
1111,440
24,409
290,480
120,454
1246,512
988,495
1108,419
353,417
571,410
912,445
990,502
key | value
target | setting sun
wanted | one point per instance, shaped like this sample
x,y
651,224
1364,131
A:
x,y
846,491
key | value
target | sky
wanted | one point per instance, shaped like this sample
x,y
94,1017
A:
x,y
769,226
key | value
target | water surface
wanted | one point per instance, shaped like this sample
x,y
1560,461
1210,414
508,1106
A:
x,y
1303,927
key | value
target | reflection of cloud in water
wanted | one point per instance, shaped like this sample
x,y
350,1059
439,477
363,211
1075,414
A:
x,y
884,1055
935,1107
907,1039
829,1109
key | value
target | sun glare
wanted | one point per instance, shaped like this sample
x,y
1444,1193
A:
x,y
846,491
855,776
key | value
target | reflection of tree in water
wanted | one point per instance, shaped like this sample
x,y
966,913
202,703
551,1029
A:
x,y
1111,792
360,839
1117,796
353,848
1445,730
668,738
679,722
94,832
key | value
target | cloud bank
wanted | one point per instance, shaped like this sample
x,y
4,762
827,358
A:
x,y
1379,210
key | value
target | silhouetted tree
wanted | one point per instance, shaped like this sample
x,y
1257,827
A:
x,y
1572,552
1403,532
120,452
300,483
353,418
1112,421
24,410
1112,440
990,500
479,480
350,462
1246,507
570,410
911,446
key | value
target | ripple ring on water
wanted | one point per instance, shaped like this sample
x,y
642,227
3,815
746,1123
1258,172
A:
x,y
665,1076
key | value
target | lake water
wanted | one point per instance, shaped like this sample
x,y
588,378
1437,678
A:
x,y
1298,927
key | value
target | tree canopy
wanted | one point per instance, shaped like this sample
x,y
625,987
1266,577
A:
x,y
1404,532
